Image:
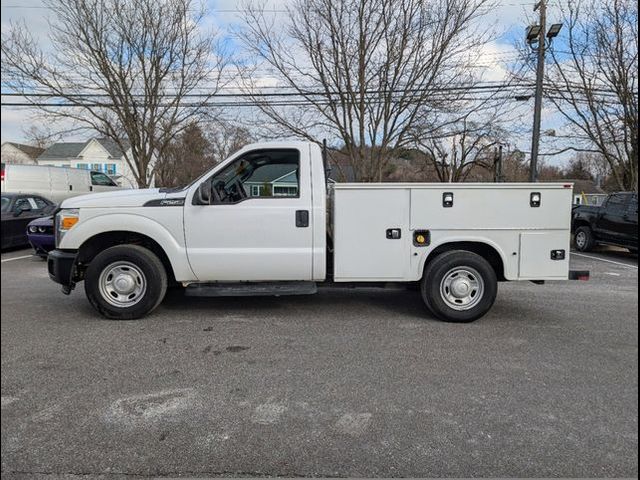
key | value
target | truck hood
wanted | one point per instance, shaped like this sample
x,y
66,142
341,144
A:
x,y
586,209
120,198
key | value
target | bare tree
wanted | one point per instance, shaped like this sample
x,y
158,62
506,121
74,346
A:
x,y
593,82
199,147
455,156
365,69
123,69
41,136
226,138
578,168
596,164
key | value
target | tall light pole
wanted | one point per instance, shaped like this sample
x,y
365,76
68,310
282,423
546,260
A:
x,y
537,40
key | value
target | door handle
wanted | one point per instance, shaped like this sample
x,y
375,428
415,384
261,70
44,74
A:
x,y
302,218
393,233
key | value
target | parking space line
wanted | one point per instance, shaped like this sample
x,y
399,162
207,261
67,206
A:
x,y
16,258
605,260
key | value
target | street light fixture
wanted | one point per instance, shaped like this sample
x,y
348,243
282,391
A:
x,y
554,30
533,32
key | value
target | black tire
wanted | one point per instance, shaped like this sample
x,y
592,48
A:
x,y
446,265
144,268
584,240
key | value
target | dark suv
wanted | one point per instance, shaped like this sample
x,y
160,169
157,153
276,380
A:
x,y
613,223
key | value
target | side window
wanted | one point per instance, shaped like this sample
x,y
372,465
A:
x,y
21,203
617,204
40,203
259,174
632,209
101,179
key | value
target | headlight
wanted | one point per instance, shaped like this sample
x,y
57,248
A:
x,y
33,229
42,229
65,220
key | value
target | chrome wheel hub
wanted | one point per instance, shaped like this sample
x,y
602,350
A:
x,y
462,288
581,239
122,284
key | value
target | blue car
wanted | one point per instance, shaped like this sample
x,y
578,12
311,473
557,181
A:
x,y
40,236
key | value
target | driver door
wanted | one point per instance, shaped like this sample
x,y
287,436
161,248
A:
x,y
252,228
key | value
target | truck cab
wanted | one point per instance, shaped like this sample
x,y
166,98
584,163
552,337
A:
x,y
266,222
615,222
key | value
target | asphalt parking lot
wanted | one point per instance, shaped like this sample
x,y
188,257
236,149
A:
x,y
344,383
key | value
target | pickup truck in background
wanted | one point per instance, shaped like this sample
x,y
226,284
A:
x,y
615,222
267,222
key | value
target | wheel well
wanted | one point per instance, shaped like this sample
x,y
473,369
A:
x,y
486,251
580,223
94,245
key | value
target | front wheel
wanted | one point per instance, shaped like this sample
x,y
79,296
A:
x,y
459,286
125,282
584,239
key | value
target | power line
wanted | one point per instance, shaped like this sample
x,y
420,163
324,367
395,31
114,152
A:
x,y
302,93
307,93
295,103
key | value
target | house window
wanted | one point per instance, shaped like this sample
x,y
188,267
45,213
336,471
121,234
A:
x,y
83,166
96,167
110,168
284,191
255,190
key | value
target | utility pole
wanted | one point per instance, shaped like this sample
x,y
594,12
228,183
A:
x,y
537,109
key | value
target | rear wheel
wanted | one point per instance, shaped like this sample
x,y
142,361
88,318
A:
x,y
584,240
125,282
459,286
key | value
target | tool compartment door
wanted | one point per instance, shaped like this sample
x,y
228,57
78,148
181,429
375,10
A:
x,y
535,255
365,247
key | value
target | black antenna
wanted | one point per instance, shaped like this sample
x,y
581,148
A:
x,y
324,154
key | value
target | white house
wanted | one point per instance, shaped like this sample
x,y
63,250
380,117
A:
x,y
99,154
273,181
17,153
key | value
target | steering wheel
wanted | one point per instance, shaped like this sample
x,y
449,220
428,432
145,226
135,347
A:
x,y
215,196
239,190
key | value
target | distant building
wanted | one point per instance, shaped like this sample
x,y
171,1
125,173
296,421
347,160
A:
x,y
99,154
586,192
273,181
17,153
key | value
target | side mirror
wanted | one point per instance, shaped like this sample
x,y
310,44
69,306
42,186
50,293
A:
x,y
23,207
204,193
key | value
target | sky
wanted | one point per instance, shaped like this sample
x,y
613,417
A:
x,y
508,20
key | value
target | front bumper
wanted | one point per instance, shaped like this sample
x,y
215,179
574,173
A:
x,y
42,243
61,266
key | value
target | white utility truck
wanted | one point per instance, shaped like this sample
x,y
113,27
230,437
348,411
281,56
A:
x,y
267,222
